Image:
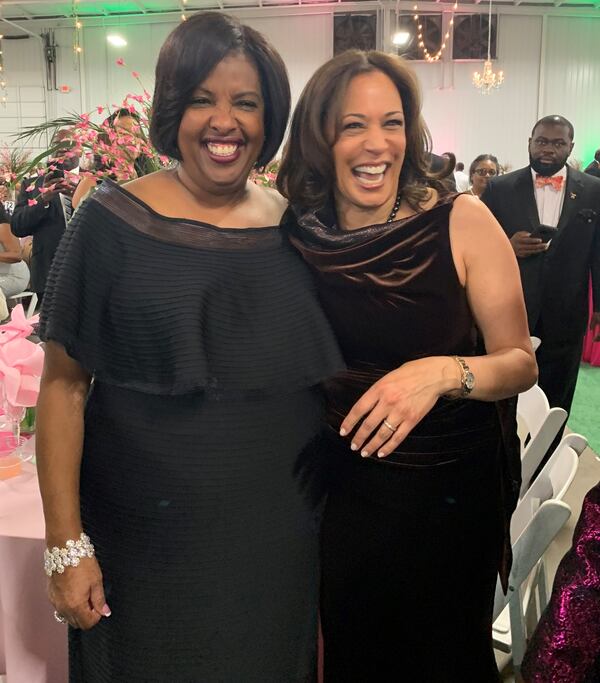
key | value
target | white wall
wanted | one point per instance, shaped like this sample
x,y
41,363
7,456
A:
x,y
552,65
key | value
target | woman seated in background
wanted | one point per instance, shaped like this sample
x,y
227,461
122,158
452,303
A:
x,y
414,531
482,168
14,273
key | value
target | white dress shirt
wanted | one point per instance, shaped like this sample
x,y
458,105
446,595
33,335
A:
x,y
550,201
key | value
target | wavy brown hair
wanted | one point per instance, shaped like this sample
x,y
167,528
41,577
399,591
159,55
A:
x,y
307,173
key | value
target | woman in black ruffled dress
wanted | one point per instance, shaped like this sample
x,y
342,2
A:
x,y
197,322
415,531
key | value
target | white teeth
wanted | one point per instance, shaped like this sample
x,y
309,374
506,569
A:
x,y
221,150
375,180
371,170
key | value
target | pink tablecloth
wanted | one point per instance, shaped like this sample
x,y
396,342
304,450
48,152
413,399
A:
x,y
33,646
591,349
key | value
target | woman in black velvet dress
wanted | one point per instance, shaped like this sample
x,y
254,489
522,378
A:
x,y
201,329
416,530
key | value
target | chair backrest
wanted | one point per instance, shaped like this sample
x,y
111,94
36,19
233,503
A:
x,y
577,442
551,483
539,531
543,424
533,407
535,342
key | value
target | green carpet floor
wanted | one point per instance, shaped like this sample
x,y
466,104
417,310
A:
x,y
585,412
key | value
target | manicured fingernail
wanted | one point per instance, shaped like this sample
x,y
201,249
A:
x,y
343,432
106,611
353,447
364,453
381,454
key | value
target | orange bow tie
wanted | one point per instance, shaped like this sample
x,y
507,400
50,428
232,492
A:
x,y
554,181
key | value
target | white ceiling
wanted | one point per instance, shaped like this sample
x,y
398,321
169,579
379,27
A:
x,y
25,10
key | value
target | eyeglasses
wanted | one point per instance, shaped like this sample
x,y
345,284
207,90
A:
x,y
543,142
482,172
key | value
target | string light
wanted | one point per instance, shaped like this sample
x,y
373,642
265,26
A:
x,y
421,41
77,28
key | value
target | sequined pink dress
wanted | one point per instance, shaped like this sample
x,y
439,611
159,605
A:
x,y
565,647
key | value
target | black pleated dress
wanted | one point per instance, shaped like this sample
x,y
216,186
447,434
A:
x,y
206,346
411,544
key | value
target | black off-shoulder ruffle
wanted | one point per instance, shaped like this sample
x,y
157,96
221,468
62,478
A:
x,y
167,306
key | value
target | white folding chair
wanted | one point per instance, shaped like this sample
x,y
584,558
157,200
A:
x,y
33,299
539,516
577,442
542,424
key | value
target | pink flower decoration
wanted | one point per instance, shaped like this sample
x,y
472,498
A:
x,y
135,74
100,109
120,61
30,188
21,361
31,202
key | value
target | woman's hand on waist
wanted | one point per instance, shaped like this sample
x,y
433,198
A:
x,y
387,412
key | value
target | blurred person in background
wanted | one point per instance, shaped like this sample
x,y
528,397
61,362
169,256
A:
x,y
14,273
482,168
38,212
461,178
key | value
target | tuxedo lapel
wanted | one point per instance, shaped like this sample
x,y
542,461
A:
x,y
573,190
526,198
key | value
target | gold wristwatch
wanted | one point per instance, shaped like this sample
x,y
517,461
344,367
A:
x,y
467,378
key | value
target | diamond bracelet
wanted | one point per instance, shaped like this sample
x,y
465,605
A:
x,y
56,559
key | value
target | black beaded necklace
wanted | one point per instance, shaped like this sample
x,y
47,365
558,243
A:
x,y
395,208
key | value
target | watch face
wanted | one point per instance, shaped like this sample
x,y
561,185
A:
x,y
469,381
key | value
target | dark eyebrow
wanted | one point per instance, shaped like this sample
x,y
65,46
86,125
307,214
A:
x,y
246,93
362,116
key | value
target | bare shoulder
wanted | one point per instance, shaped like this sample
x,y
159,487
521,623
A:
x,y
149,187
270,203
471,217
475,233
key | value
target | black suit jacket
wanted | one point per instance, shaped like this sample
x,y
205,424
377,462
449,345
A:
x,y
47,226
555,283
593,169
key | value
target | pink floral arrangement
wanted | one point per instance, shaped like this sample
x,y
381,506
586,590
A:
x,y
21,360
13,163
107,150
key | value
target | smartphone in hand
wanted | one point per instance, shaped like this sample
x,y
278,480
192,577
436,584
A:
x,y
544,233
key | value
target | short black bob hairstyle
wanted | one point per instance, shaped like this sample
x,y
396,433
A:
x,y
189,55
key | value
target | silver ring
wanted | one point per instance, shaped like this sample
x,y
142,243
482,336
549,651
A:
x,y
59,617
389,426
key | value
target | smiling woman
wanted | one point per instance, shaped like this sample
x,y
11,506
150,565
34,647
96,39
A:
x,y
185,469
421,434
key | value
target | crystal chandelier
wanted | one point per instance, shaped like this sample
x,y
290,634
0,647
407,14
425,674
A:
x,y
488,80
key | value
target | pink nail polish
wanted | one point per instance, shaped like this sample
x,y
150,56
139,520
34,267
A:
x,y
343,432
106,611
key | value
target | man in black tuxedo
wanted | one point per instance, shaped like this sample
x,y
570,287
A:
x,y
44,219
555,265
